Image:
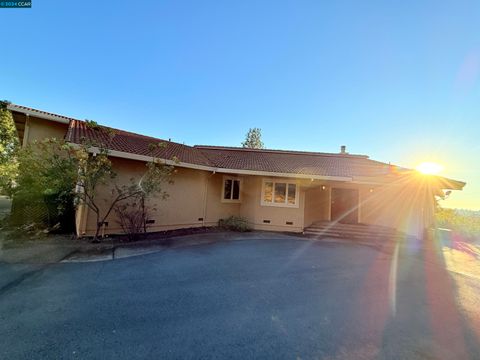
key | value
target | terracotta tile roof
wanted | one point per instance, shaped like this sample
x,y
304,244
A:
x,y
295,162
277,161
78,132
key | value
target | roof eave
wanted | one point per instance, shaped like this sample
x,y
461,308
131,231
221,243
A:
x,y
450,184
38,114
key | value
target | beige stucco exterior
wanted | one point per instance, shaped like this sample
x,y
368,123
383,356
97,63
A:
x,y
317,204
195,199
183,208
37,129
264,217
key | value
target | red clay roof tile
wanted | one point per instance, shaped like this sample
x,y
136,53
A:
x,y
119,140
295,162
277,161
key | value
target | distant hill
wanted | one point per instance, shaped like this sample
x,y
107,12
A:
x,y
467,212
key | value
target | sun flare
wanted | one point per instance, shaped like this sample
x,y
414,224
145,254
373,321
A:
x,y
429,168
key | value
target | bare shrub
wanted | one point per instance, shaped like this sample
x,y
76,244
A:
x,y
133,219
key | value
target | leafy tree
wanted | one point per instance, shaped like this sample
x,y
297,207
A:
x,y
9,145
464,221
47,173
253,139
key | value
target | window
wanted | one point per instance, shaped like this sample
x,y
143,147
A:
x,y
268,192
279,194
231,189
292,194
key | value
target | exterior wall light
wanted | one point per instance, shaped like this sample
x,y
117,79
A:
x,y
323,187
371,190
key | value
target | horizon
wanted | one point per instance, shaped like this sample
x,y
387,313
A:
x,y
312,77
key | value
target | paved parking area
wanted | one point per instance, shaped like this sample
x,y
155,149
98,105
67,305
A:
x,y
257,298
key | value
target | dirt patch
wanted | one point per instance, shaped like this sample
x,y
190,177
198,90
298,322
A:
x,y
165,238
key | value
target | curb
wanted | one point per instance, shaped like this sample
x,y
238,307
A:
x,y
112,253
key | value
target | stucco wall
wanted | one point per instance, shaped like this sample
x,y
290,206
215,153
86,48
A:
x,y
194,200
400,206
256,213
183,208
186,205
40,129
317,205
216,209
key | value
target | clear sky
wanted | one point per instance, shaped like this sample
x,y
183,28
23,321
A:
x,y
397,80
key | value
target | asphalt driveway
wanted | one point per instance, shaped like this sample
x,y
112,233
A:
x,y
276,298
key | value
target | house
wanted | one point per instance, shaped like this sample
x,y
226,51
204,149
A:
x,y
276,190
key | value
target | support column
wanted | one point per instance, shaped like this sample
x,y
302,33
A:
x,y
329,203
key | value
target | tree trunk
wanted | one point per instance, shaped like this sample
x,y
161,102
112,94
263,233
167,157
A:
x,y
97,231
144,218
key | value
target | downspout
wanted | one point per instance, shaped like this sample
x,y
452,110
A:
x,y
205,198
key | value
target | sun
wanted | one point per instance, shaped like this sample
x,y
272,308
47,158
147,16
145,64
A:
x,y
429,168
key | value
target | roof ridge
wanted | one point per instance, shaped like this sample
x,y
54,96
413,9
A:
x,y
278,151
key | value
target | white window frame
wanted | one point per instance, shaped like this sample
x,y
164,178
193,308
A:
x,y
285,204
240,183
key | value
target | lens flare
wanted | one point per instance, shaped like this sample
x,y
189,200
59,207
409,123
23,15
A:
x,y
429,168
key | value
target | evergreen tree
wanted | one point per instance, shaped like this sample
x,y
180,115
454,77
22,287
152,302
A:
x,y
253,139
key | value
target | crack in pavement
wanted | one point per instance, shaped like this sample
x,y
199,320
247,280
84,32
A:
x,y
29,274
14,283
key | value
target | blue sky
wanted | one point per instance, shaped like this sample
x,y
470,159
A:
x,y
398,81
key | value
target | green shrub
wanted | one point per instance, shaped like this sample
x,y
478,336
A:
x,y
464,221
234,223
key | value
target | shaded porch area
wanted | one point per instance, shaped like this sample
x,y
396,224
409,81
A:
x,y
366,210
336,202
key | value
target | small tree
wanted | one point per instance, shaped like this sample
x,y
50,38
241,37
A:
x,y
253,139
9,145
95,171
133,215
132,219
